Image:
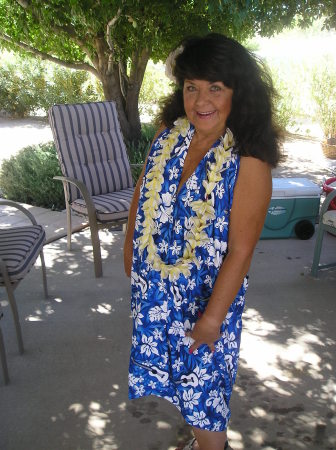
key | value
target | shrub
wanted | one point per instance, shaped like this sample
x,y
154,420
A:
x,y
323,90
286,108
28,177
29,86
137,151
20,87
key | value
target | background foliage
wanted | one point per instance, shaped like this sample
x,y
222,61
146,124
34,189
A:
x,y
114,39
28,177
29,86
323,88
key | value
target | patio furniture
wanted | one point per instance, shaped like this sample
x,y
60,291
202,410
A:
x,y
19,248
3,354
97,177
327,223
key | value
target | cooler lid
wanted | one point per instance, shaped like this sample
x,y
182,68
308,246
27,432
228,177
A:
x,y
294,187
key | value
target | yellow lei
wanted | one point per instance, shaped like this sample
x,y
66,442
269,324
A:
x,y
203,209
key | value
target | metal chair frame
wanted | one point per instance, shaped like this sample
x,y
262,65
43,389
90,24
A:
x,y
90,214
12,285
322,228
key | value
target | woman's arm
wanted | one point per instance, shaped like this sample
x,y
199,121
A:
x,y
128,244
251,198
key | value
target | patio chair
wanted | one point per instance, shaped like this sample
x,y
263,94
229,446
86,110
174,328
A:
x,y
327,223
19,248
97,177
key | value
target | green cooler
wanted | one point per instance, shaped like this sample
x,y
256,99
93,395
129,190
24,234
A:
x,y
293,209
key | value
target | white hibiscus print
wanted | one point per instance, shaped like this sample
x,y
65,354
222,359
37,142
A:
x,y
187,199
159,312
190,398
163,246
192,308
148,346
220,190
221,223
175,249
173,173
162,286
191,183
178,364
199,419
139,390
176,329
157,335
202,375
230,339
214,400
137,316
191,284
207,358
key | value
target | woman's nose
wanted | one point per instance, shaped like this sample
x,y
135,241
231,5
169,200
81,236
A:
x,y
202,97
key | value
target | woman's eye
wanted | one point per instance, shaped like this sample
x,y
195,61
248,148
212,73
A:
x,y
215,88
190,88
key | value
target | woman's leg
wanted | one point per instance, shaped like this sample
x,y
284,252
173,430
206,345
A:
x,y
209,440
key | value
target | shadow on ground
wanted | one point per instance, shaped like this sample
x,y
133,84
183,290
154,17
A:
x,y
69,390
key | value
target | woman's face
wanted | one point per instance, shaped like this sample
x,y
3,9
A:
x,y
207,106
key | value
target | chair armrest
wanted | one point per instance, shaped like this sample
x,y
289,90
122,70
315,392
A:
x,y
20,208
329,198
83,190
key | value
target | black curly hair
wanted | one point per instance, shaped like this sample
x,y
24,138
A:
x,y
216,57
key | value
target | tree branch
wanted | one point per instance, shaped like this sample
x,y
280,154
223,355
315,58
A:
x,y
46,56
23,3
67,29
109,27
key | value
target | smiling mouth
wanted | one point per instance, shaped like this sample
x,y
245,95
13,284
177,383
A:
x,y
205,114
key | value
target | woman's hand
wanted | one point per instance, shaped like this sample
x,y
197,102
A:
x,y
206,331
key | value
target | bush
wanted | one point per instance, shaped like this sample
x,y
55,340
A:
x,y
286,105
323,89
28,177
137,151
20,87
29,86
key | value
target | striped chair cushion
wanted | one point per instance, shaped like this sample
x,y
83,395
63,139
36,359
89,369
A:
x,y
109,207
90,147
19,248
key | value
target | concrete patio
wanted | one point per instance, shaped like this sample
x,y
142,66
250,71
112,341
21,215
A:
x,y
69,389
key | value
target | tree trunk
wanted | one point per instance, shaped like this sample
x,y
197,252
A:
x,y
128,108
112,92
138,68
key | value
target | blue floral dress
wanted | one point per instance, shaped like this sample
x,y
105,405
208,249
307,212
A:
x,y
198,384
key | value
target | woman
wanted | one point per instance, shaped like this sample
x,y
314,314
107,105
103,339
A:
x,y
196,216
